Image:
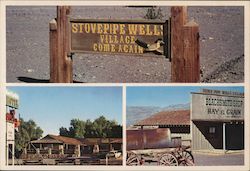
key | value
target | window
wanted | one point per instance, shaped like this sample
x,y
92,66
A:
x,y
211,130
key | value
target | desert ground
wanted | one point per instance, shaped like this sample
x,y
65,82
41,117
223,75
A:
x,y
27,34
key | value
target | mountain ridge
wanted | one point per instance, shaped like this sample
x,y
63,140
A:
x,y
137,113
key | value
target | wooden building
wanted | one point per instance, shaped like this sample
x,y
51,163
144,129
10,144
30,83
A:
x,y
55,146
12,124
98,145
177,121
217,120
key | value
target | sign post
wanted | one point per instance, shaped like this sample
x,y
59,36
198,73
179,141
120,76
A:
x,y
60,60
185,65
119,36
176,40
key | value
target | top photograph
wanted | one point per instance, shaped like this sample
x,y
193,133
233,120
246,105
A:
x,y
125,44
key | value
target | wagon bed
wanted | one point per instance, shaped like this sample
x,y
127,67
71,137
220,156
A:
x,y
180,156
157,145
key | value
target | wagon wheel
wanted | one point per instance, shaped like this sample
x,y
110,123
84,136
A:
x,y
132,160
168,159
186,159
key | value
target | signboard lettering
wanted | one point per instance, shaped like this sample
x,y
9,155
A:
x,y
217,107
10,131
128,37
222,92
12,102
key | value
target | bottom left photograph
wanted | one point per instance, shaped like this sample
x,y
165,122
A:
x,y
63,125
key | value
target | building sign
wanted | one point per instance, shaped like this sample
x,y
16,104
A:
x,y
11,101
220,105
127,37
10,131
222,92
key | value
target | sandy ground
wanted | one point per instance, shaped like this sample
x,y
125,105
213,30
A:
x,y
215,160
221,47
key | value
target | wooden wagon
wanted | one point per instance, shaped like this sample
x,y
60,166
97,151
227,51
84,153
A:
x,y
157,145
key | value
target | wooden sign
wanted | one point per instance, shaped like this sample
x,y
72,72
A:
x,y
217,107
176,39
127,37
10,131
12,101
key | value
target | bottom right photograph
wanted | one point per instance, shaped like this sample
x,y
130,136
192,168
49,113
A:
x,y
185,125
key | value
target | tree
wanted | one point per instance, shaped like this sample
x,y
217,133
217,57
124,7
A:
x,y
77,128
154,13
28,131
116,132
99,128
64,132
89,129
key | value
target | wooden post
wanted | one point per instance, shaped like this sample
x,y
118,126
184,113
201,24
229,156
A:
x,y
61,65
178,20
184,47
53,50
191,52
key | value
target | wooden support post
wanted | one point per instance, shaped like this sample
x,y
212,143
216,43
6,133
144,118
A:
x,y
53,51
184,47
60,63
178,20
191,52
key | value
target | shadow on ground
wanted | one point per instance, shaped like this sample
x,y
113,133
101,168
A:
x,y
34,80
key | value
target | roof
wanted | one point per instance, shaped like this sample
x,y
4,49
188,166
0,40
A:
x,y
116,140
46,141
93,141
66,140
178,117
57,139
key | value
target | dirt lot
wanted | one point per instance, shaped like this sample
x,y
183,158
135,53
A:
x,y
219,160
215,160
27,33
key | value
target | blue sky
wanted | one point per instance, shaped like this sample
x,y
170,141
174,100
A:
x,y
54,107
164,96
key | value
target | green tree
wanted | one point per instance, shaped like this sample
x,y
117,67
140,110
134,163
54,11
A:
x,y
28,131
116,132
99,128
89,129
77,128
64,132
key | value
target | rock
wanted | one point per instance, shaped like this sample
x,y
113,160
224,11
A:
x,y
30,70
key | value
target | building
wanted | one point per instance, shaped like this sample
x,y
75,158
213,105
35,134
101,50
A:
x,y
12,124
214,121
96,145
217,120
177,121
56,146
53,146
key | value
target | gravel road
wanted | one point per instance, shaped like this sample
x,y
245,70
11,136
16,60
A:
x,y
215,160
219,160
27,33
